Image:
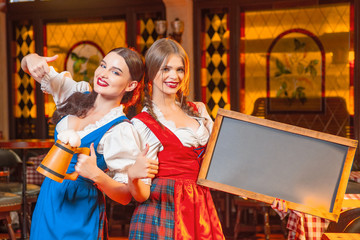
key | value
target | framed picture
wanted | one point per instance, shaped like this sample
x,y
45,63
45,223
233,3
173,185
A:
x,y
82,60
263,160
295,68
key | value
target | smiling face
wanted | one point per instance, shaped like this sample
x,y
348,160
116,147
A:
x,y
112,78
169,78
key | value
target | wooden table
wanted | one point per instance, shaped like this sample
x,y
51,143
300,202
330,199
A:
x,y
24,145
341,236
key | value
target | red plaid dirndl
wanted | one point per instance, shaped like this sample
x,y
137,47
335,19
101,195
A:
x,y
154,219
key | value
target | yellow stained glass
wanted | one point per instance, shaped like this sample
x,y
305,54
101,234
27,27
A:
x,y
330,23
146,35
91,39
24,86
215,66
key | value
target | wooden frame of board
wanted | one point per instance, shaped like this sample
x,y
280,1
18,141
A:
x,y
263,160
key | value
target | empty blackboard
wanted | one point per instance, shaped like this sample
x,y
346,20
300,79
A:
x,y
264,160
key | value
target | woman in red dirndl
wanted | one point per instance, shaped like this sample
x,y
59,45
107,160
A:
x,y
177,132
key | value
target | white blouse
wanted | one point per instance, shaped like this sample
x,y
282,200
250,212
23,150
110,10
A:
x,y
119,145
186,135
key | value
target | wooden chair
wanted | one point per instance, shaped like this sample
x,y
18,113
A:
x,y
32,192
247,212
9,161
349,222
243,205
9,202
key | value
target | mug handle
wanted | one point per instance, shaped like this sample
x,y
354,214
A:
x,y
74,175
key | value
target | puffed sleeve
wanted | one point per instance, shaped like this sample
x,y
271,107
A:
x,y
61,85
147,137
208,122
120,147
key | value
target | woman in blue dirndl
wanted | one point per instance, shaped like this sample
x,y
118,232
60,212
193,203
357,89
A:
x,y
76,209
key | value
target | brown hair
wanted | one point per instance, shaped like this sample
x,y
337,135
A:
x,y
79,104
155,57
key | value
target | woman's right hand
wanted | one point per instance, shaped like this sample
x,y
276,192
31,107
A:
x,y
37,66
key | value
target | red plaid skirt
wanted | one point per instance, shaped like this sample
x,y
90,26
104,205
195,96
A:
x,y
154,218
176,209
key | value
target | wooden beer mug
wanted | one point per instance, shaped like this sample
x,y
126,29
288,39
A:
x,y
57,161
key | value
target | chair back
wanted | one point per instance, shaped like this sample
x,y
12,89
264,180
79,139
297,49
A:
x,y
8,160
349,222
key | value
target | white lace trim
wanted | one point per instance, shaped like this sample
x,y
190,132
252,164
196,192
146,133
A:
x,y
201,135
114,113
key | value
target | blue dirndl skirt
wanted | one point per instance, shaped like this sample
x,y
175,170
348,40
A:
x,y
69,210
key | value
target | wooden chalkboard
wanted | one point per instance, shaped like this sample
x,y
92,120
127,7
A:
x,y
263,160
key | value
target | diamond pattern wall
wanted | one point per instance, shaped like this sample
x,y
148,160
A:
x,y
23,85
146,34
215,62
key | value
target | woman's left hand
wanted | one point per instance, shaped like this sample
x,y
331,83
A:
x,y
280,207
86,165
143,167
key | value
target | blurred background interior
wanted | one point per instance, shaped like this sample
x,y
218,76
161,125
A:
x,y
290,61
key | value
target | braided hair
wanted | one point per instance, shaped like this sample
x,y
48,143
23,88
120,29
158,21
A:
x,y
79,104
155,57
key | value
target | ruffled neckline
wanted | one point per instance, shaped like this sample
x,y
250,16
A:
x,y
201,134
114,113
